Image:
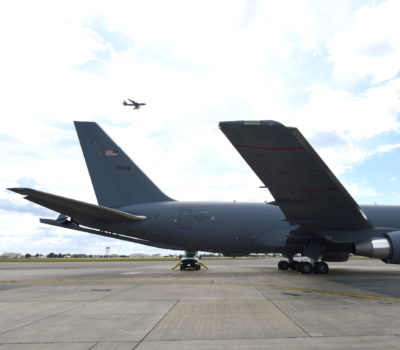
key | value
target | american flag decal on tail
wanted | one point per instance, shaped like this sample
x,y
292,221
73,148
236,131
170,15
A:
x,y
111,153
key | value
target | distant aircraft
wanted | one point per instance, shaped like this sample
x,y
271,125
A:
x,y
136,105
312,214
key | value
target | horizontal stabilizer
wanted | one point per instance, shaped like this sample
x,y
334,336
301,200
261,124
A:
x,y
80,211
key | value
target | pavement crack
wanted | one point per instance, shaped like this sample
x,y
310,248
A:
x,y
92,347
62,312
283,312
152,328
42,319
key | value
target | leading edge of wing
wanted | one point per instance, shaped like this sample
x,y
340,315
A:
x,y
76,209
302,185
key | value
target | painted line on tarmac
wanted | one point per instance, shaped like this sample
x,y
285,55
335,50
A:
x,y
322,291
206,282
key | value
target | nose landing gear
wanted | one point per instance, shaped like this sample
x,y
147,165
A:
x,y
190,261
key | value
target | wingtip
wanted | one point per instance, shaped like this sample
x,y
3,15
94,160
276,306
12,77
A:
x,y
19,190
250,123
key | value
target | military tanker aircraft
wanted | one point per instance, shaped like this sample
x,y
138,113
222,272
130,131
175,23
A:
x,y
136,105
312,213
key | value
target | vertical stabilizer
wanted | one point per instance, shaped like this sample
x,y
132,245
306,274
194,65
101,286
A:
x,y
116,179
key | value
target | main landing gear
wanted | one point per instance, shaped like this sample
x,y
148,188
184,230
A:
x,y
320,267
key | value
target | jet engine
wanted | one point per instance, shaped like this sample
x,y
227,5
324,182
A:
x,y
385,247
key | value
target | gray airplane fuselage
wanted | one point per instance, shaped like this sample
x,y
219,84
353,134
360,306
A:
x,y
232,228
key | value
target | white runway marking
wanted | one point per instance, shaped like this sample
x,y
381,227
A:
x,y
130,273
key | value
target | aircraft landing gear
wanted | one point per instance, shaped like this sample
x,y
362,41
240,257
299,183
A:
x,y
321,267
318,267
293,264
305,267
283,265
290,264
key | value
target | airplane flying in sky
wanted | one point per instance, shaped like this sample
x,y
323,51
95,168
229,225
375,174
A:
x,y
312,213
136,105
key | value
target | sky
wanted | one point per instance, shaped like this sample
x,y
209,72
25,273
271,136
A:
x,y
329,68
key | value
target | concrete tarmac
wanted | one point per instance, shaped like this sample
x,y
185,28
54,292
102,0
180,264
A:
x,y
236,304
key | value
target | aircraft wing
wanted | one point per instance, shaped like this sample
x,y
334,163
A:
x,y
78,210
304,188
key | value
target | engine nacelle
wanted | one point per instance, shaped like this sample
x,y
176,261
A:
x,y
395,241
385,248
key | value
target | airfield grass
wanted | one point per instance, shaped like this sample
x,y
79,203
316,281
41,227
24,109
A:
x,y
142,259
83,259
115,259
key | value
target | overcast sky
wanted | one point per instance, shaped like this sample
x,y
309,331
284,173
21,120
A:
x,y
329,68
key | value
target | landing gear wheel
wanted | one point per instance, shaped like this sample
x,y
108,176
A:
x,y
283,265
321,267
305,267
294,265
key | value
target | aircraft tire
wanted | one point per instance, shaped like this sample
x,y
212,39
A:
x,y
321,267
294,265
283,265
305,267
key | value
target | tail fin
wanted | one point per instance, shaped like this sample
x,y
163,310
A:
x,y
116,179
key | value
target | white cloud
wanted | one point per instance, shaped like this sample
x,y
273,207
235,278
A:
x,y
387,148
354,116
361,190
370,45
